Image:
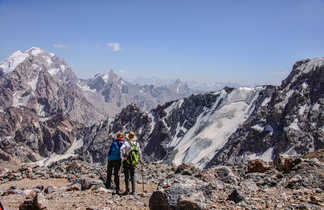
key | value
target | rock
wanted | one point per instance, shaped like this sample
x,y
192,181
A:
x,y
285,163
159,201
191,202
249,185
223,173
36,203
49,190
75,187
187,169
188,189
87,183
236,196
40,187
294,182
257,166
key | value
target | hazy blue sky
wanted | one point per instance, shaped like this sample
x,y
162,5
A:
x,y
216,40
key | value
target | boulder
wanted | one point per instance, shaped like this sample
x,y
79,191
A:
x,y
285,163
187,169
236,196
87,183
38,202
183,192
257,166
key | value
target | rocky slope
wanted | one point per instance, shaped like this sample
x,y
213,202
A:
x,y
290,122
290,182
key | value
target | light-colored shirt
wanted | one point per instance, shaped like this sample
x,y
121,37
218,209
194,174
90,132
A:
x,y
124,150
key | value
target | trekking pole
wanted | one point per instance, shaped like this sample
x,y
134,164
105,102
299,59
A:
x,y
142,169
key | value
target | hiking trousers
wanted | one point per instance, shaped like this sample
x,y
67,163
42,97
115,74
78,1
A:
x,y
113,166
129,172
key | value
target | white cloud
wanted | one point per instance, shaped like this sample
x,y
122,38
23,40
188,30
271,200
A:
x,y
62,46
115,46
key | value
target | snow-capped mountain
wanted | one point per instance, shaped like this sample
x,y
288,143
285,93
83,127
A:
x,y
38,80
197,86
55,66
44,112
111,93
290,120
235,124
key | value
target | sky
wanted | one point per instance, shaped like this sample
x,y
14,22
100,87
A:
x,y
243,41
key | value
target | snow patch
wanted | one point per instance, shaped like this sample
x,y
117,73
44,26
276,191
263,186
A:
x,y
283,103
150,115
266,156
322,128
316,107
304,85
85,87
33,83
213,127
175,105
53,71
48,60
41,110
35,66
19,100
35,51
302,109
258,127
63,67
266,101
105,78
13,61
294,125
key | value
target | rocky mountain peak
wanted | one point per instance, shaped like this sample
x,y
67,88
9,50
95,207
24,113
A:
x,y
40,59
304,71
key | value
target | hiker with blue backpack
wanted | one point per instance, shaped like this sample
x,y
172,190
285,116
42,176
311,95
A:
x,y
114,161
131,156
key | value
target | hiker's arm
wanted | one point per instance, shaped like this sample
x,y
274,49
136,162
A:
x,y
123,151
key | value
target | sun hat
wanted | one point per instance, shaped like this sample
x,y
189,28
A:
x,y
131,136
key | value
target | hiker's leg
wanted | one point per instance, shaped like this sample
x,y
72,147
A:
x,y
126,174
109,173
132,176
116,174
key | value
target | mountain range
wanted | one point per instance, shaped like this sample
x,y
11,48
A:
x,y
50,114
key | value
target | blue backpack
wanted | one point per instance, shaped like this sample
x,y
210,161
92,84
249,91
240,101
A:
x,y
114,151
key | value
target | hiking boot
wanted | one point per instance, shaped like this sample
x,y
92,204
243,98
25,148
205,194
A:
x,y
108,186
126,193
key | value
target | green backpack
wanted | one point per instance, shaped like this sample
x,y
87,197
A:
x,y
133,157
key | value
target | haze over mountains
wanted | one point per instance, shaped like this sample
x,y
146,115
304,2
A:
x,y
47,112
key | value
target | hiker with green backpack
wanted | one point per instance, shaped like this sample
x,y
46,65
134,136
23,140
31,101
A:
x,y
131,156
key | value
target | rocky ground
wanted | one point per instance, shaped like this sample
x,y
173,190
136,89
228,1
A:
x,y
289,182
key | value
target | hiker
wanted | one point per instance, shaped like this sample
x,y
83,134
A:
x,y
114,161
131,155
